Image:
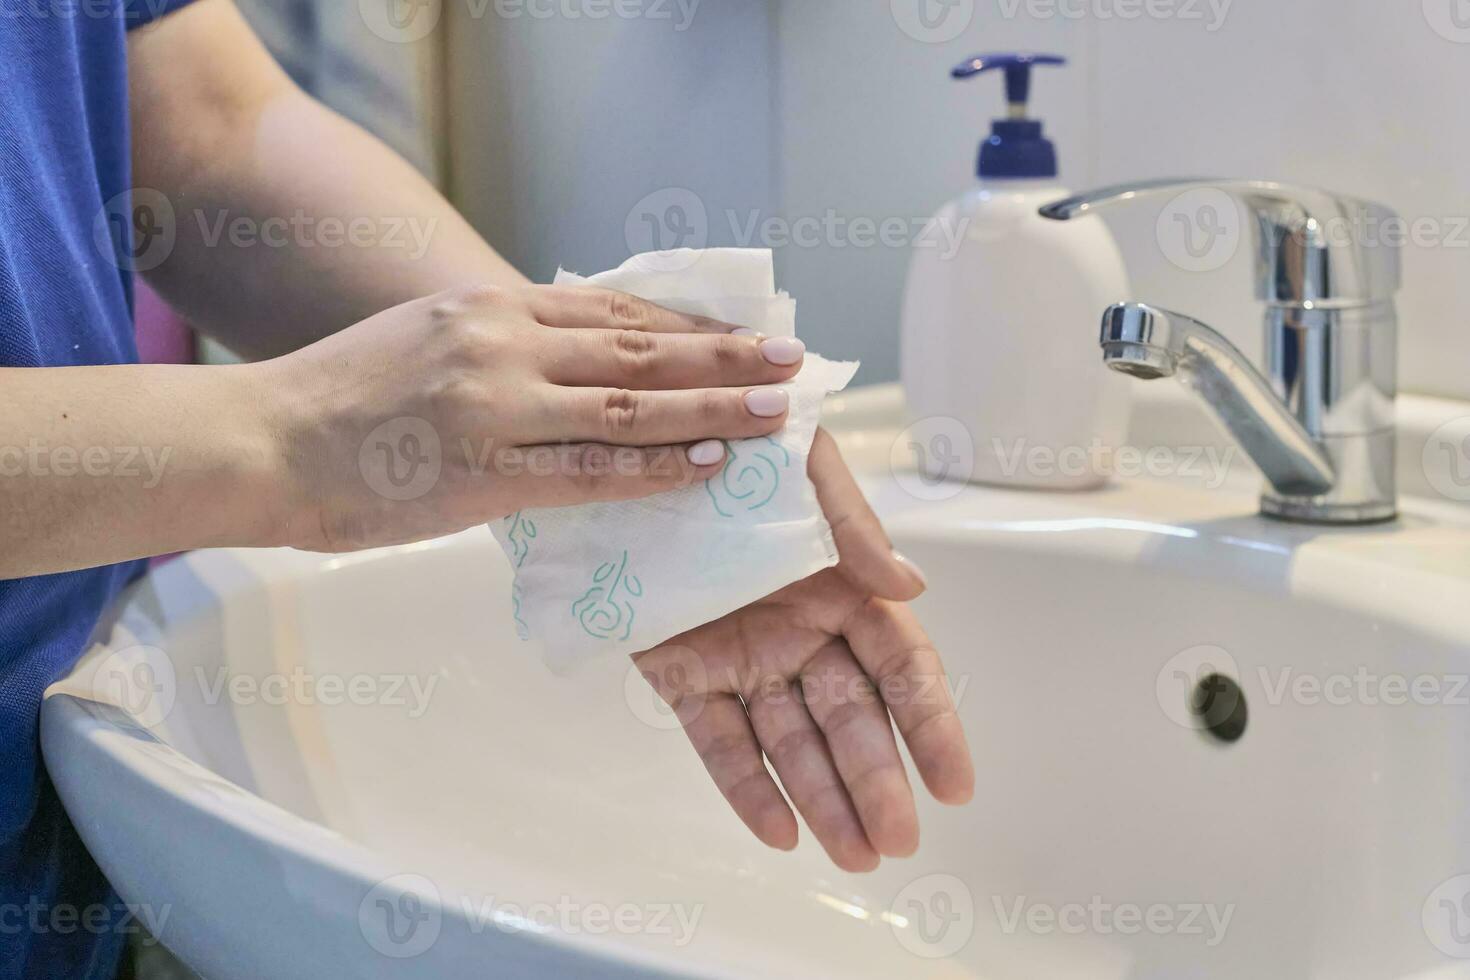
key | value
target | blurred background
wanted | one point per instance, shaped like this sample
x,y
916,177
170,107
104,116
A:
x,y
576,132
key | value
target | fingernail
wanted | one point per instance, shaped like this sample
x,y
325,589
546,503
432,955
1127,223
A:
x,y
707,453
744,332
903,560
783,351
767,403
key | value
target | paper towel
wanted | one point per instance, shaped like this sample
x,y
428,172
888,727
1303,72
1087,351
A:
x,y
618,578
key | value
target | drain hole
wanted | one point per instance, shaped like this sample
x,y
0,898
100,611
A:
x,y
1219,704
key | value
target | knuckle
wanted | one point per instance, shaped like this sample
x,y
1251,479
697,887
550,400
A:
x,y
796,744
842,714
724,750
625,310
447,309
473,342
635,343
582,479
621,410
907,662
730,352
712,405
635,351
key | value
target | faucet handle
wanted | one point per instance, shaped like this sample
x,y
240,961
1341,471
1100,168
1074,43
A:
x,y
1313,247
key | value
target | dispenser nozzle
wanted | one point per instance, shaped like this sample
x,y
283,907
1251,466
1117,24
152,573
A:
x,y
1016,147
1017,67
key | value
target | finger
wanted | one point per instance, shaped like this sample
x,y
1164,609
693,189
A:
x,y
894,651
591,308
722,736
654,362
854,720
622,417
867,556
580,473
798,751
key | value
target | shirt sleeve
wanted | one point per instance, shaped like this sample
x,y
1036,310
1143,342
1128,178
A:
x,y
137,13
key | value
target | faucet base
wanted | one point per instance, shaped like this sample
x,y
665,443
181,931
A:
x,y
1299,511
1364,490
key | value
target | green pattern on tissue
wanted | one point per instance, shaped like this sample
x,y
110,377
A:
x,y
605,612
751,476
522,531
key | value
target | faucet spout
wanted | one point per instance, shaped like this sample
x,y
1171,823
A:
x,y
1318,418
1148,343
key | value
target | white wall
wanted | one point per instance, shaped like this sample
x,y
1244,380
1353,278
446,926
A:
x,y
1360,96
768,113
561,126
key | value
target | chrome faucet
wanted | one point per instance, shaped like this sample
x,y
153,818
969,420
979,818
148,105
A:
x,y
1320,423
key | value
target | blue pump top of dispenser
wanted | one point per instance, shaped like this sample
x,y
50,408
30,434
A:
x,y
1016,148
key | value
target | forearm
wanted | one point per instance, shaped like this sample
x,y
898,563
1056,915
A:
x,y
105,464
292,223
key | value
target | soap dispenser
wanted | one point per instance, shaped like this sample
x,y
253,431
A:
x,y
1001,313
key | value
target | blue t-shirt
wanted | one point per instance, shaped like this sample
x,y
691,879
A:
x,y
65,299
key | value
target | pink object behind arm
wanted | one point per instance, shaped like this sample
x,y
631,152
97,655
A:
x,y
163,338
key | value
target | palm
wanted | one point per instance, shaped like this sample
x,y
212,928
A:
x,y
808,678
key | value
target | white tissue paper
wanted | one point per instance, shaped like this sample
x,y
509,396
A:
x,y
615,579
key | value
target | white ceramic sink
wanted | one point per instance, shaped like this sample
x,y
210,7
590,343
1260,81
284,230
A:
x,y
386,786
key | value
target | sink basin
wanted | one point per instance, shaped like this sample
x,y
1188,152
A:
x,y
1208,745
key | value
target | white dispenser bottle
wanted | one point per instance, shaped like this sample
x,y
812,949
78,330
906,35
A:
x,y
1001,331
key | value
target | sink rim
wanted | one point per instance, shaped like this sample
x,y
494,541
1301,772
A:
x,y
1168,415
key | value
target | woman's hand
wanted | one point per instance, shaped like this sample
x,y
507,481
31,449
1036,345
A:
x,y
808,678
465,407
